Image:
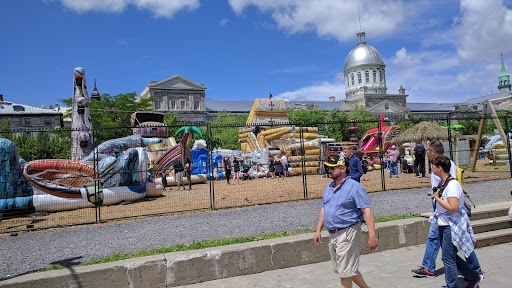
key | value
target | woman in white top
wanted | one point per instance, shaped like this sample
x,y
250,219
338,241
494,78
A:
x,y
455,232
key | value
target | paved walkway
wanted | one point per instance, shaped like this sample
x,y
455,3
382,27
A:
x,y
390,268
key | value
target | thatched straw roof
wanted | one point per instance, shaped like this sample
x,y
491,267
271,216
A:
x,y
426,131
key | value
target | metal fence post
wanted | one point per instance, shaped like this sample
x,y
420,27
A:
x,y
210,148
450,147
303,168
381,147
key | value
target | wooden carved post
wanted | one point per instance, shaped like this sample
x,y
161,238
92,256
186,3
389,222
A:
x,y
81,134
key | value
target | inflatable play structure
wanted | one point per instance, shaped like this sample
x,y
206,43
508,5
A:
x,y
369,143
307,162
497,147
266,131
267,134
62,184
198,157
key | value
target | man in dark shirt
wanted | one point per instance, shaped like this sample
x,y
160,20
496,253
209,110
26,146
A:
x,y
356,170
178,174
419,160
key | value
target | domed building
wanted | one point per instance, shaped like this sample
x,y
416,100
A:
x,y
365,81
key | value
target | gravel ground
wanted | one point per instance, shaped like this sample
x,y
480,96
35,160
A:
x,y
33,251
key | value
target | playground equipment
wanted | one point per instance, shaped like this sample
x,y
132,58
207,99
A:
x,y
305,157
180,151
369,143
267,117
62,184
148,124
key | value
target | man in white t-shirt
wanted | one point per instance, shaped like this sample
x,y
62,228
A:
x,y
428,265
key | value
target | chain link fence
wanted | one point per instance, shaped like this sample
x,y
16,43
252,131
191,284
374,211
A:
x,y
41,188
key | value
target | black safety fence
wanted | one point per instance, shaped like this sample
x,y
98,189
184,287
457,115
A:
x,y
122,177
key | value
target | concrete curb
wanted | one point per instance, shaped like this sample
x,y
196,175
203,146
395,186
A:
x,y
188,267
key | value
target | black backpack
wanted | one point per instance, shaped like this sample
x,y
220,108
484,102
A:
x,y
420,153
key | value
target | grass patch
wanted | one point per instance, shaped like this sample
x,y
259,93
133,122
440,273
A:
x,y
395,217
496,164
210,243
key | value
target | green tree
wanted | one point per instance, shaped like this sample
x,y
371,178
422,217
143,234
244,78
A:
x,y
5,128
43,145
225,131
471,125
113,111
311,115
339,121
490,125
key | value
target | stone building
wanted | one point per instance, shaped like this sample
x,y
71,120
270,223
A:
x,y
365,82
25,118
178,95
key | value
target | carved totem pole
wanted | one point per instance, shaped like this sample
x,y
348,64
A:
x,y
81,134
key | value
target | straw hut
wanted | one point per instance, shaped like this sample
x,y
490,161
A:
x,y
425,132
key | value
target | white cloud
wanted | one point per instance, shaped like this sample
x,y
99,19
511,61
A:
x,y
160,8
122,42
431,79
403,60
332,18
223,22
484,30
318,92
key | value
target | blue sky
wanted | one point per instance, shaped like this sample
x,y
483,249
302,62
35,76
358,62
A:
x,y
440,51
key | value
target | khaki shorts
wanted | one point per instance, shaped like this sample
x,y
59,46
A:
x,y
345,249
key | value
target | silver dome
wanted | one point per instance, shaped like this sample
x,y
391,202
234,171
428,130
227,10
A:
x,y
363,54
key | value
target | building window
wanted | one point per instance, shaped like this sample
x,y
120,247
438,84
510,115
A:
x,y
18,108
47,121
374,77
359,80
26,121
29,134
157,105
173,105
380,76
367,74
182,105
196,105
352,77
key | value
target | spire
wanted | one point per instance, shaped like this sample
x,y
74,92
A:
x,y
503,79
95,94
503,72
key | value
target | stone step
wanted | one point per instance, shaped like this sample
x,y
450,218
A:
x,y
493,237
485,211
478,214
491,224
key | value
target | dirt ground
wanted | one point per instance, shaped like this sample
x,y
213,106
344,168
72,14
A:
x,y
246,193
